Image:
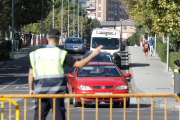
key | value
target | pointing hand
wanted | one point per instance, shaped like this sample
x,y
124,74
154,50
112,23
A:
x,y
97,50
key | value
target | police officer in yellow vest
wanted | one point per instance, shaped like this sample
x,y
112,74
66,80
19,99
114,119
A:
x,y
47,66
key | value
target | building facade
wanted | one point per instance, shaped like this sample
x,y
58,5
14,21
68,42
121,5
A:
x,y
126,27
110,10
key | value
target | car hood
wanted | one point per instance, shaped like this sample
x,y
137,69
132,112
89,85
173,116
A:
x,y
74,44
101,81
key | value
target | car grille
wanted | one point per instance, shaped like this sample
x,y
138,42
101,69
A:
x,y
109,87
97,87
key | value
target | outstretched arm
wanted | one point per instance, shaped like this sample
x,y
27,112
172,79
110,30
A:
x,y
85,61
31,81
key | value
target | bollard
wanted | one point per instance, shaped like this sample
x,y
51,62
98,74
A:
x,y
176,80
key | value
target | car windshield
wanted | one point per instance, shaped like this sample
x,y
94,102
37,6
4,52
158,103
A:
x,y
108,43
99,71
74,40
100,58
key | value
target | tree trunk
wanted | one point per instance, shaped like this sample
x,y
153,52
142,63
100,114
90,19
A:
x,y
3,33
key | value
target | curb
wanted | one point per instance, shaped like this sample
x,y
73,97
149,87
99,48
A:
x,y
147,100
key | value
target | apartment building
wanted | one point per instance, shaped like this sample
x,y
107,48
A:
x,y
82,3
110,10
91,8
126,27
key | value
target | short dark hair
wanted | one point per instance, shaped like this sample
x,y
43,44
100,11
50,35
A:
x,y
53,33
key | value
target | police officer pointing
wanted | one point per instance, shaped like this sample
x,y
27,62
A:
x,y
47,66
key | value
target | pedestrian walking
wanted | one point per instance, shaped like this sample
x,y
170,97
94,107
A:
x,y
151,44
146,48
29,37
47,66
176,64
16,40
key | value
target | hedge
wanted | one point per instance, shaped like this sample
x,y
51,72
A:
x,y
162,52
5,48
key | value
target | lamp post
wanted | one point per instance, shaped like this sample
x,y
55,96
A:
x,y
12,44
78,18
53,13
68,18
74,20
42,25
62,24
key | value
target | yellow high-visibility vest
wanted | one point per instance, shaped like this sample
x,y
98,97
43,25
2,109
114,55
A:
x,y
48,62
48,68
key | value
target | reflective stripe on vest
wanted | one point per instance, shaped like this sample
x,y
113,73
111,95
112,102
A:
x,y
48,63
50,89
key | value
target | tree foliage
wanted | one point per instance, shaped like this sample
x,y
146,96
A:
x,y
25,11
87,25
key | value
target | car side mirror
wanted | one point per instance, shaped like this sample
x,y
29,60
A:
x,y
128,77
79,59
70,75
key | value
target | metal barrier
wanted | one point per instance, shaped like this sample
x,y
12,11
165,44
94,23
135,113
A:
x,y
41,96
10,101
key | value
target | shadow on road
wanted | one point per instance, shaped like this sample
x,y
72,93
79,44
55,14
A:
x,y
138,64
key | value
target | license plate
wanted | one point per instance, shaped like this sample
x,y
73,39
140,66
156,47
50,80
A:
x,y
103,93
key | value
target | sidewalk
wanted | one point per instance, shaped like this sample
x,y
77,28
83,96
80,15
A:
x,y
23,52
150,76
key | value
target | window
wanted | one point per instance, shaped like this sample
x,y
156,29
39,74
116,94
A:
x,y
99,18
115,6
111,12
109,18
99,4
99,11
120,13
131,27
109,5
115,12
124,28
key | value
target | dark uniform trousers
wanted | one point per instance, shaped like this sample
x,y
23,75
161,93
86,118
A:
x,y
46,105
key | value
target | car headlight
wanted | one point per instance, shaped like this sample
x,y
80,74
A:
x,y
82,87
122,87
67,46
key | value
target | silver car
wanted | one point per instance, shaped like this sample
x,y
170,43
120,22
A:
x,y
74,44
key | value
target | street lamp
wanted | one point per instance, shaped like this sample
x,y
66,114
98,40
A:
x,y
62,24
53,13
78,18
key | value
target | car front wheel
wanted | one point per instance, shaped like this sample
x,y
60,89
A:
x,y
76,104
127,103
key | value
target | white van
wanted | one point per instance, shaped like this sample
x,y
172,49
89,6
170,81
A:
x,y
110,39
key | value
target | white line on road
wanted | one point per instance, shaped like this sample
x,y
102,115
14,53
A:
x,y
9,84
11,68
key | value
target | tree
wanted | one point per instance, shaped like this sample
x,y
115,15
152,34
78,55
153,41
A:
x,y
25,11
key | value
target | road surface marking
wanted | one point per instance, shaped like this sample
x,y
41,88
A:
x,y
9,84
11,68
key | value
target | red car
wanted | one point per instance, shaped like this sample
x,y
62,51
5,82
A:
x,y
98,78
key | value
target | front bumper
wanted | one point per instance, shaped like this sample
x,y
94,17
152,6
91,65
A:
x,y
74,49
107,100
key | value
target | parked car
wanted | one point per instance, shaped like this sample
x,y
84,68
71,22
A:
x,y
98,78
74,44
103,57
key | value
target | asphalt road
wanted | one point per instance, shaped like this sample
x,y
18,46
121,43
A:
x,y
14,80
